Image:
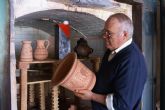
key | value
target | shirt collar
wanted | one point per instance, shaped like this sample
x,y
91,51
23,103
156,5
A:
x,y
123,46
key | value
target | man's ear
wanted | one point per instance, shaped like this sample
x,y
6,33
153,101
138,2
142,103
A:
x,y
125,35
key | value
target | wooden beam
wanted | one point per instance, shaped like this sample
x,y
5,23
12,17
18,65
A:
x,y
131,2
137,22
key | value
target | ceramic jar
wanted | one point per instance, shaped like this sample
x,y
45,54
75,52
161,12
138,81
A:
x,y
41,52
82,49
73,74
26,51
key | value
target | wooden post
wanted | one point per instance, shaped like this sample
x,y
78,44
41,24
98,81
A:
x,y
54,97
23,85
31,94
42,96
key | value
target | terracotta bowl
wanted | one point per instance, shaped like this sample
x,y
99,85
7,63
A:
x,y
73,75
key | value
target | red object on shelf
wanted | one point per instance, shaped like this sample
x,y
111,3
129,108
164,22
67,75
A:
x,y
66,29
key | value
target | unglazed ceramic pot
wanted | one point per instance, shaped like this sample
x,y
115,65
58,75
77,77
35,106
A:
x,y
41,52
73,75
26,51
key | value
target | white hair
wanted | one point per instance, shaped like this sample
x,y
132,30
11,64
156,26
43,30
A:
x,y
126,23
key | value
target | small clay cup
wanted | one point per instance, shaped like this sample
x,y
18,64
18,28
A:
x,y
73,74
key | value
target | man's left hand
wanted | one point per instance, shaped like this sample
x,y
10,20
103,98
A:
x,y
84,94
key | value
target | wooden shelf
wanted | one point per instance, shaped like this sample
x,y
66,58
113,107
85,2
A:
x,y
28,68
37,82
43,61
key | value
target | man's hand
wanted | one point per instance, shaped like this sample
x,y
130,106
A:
x,y
89,95
84,94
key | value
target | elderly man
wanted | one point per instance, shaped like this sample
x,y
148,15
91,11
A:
x,y
122,74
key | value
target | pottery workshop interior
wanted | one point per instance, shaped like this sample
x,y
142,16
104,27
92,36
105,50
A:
x,y
43,32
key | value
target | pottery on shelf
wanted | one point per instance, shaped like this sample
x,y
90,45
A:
x,y
41,52
82,49
26,51
73,75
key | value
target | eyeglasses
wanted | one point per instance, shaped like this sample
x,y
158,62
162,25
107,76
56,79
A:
x,y
107,33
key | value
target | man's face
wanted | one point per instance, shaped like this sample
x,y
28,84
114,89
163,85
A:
x,y
113,35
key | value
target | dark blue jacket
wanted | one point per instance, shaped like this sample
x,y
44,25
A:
x,y
124,76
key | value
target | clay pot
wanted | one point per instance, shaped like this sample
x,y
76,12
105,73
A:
x,y
41,52
73,75
82,49
26,51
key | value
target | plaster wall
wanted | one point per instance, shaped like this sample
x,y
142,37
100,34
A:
x,y
5,95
